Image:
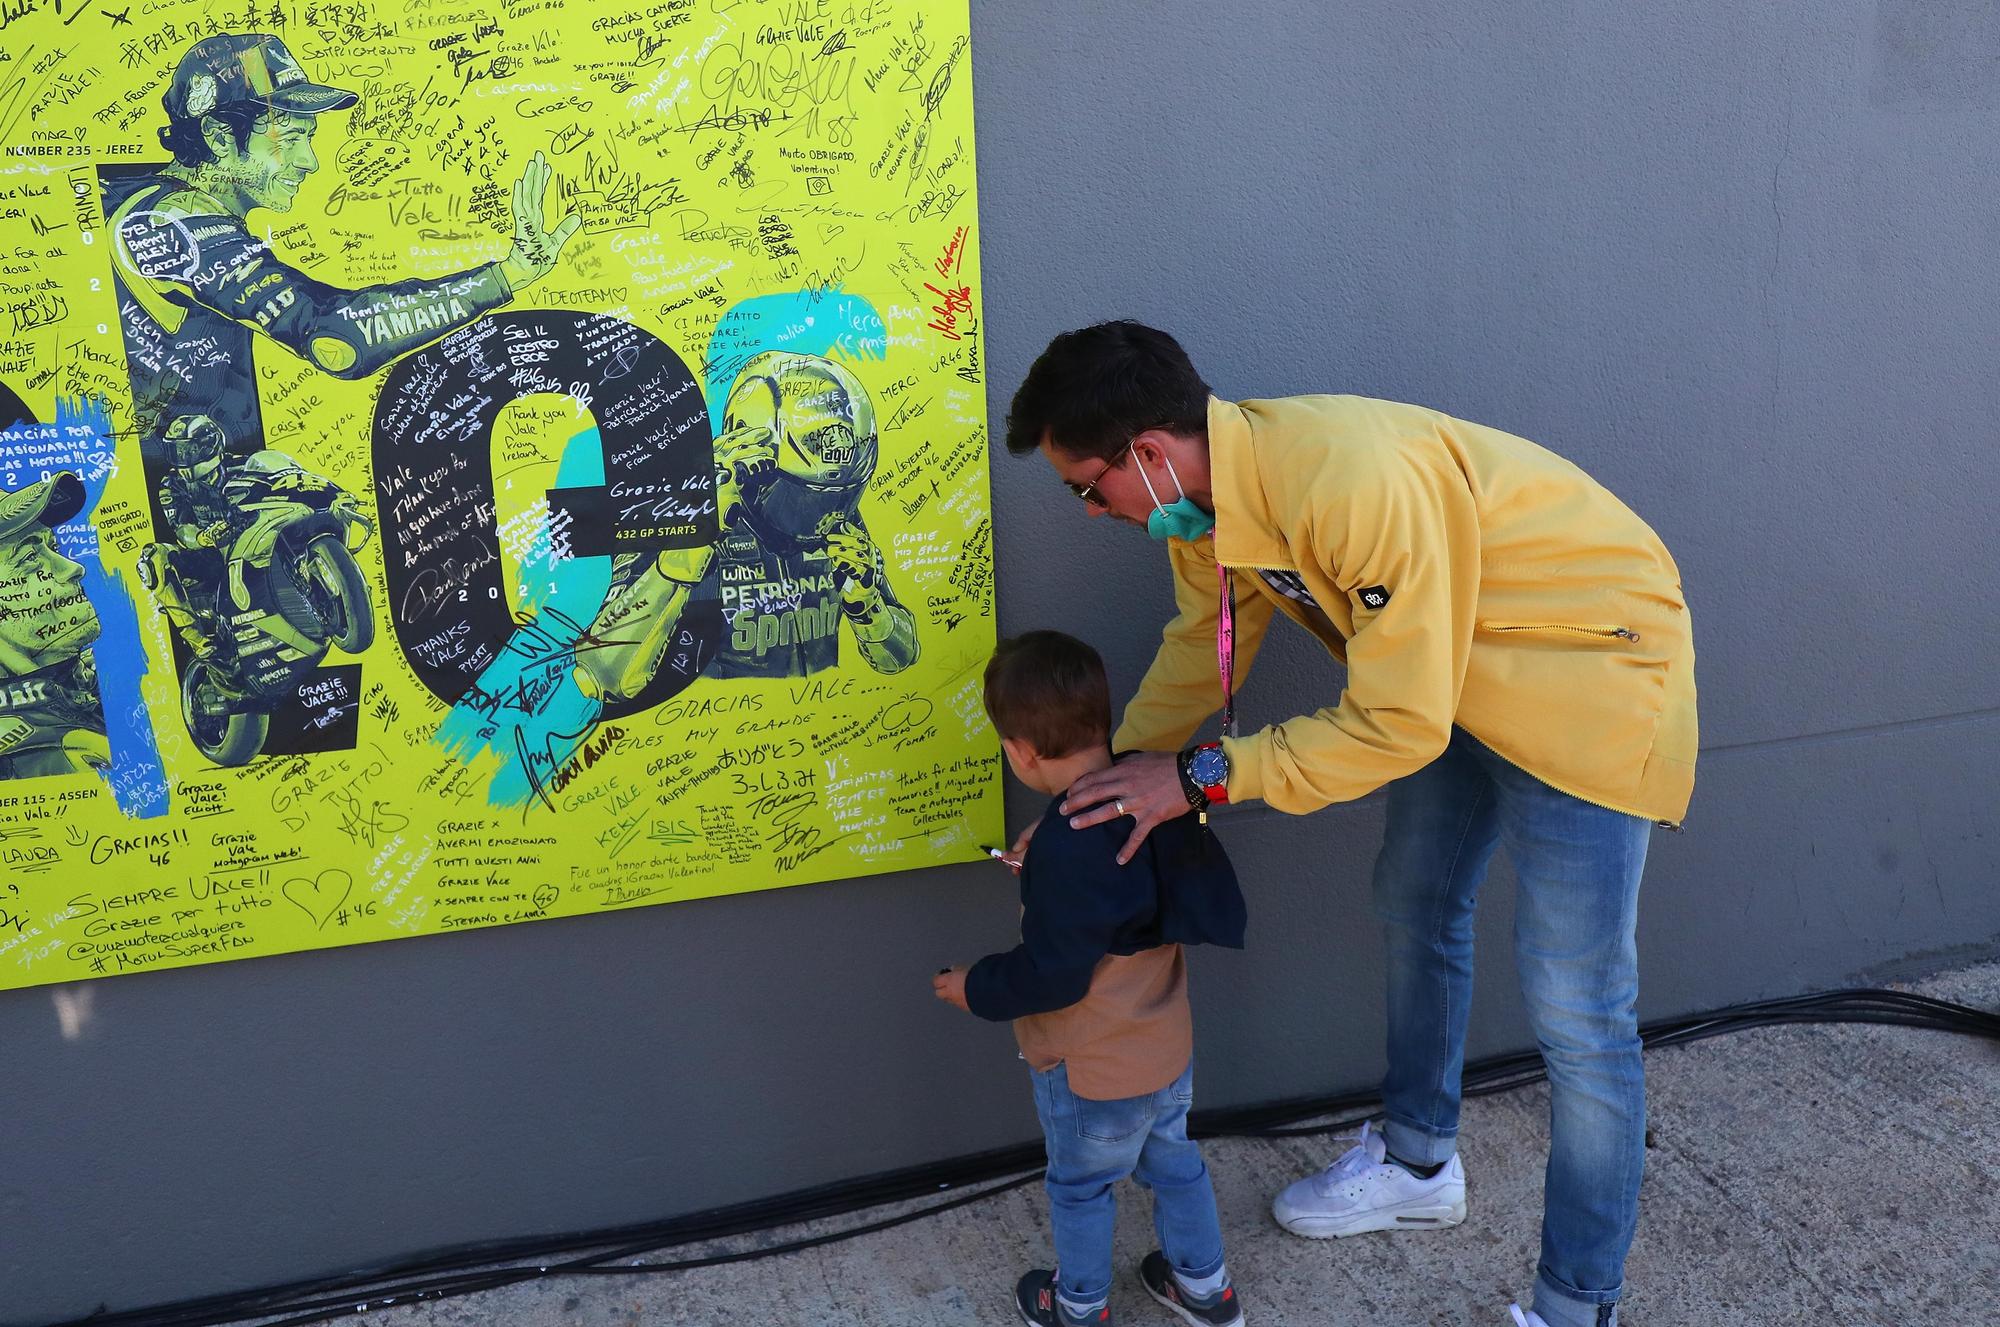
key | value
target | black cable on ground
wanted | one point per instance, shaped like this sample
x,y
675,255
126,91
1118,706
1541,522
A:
x,y
468,1270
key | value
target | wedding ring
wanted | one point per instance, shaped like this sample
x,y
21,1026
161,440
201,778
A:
x,y
1119,803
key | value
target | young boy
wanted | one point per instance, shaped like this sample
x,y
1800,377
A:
x,y
1097,990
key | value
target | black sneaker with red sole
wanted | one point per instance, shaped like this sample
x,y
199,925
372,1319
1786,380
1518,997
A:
x,y
1219,1310
1035,1297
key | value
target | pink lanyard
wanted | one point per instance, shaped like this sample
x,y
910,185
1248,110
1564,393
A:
x,y
1225,651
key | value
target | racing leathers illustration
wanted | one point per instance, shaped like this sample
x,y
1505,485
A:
x,y
795,561
196,505
51,717
195,285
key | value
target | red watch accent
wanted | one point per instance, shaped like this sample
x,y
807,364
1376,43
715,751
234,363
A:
x,y
1217,792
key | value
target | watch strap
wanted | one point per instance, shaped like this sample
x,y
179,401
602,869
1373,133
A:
x,y
1197,796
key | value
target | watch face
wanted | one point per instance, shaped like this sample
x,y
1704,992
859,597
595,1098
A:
x,y
1208,767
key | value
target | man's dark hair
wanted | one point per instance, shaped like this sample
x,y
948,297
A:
x,y
182,136
1048,690
1097,388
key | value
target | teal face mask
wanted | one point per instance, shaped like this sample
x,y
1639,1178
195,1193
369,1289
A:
x,y
1179,519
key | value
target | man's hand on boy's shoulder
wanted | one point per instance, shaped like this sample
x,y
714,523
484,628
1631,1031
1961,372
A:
x,y
1145,785
949,986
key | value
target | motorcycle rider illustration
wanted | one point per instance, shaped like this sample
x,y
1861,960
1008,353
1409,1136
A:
x,y
202,294
51,716
259,584
192,498
794,561
198,288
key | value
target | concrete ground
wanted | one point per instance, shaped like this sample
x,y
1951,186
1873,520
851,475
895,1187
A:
x,y
1843,1176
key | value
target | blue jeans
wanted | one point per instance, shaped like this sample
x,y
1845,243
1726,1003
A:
x,y
1574,921
1094,1144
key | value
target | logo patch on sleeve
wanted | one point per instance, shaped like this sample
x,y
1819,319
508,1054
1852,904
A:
x,y
1375,596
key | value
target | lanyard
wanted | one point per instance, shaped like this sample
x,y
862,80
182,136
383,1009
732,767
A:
x,y
1225,651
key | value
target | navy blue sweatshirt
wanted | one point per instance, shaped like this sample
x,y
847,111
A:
x,y
1078,905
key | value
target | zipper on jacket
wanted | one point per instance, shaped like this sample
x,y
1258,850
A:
x,y
1605,632
1602,631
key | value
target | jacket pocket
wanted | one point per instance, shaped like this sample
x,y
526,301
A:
x,y
1600,630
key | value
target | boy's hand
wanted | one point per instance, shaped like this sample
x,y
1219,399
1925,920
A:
x,y
949,986
1012,860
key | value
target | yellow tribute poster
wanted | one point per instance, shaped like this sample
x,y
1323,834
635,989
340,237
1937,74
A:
x,y
466,463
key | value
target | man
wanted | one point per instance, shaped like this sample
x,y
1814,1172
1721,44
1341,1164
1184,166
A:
x,y
194,283
794,562
1520,669
51,719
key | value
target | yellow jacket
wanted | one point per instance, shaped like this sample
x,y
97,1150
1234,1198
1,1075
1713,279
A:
x,y
1524,603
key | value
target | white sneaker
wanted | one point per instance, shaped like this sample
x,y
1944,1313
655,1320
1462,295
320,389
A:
x,y
1526,1317
1363,1192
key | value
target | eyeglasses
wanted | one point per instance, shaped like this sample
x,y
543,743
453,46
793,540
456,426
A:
x,y
1088,491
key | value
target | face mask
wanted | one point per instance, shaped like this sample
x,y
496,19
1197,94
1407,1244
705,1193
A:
x,y
1179,519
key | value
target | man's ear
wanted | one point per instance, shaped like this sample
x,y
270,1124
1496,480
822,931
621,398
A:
x,y
1153,444
1181,448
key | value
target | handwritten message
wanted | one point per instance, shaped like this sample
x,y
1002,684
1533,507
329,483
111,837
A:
x,y
463,465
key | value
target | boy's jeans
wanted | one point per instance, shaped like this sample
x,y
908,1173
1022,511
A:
x,y
1574,919
1094,1144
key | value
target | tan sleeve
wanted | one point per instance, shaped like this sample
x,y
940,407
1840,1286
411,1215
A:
x,y
1405,524
1184,687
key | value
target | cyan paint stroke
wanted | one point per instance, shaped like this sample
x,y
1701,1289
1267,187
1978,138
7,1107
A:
x,y
564,596
80,441
807,322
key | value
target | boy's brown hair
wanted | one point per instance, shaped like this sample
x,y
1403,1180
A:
x,y
1048,689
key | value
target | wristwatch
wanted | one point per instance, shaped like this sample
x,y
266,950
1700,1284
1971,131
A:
x,y
1204,774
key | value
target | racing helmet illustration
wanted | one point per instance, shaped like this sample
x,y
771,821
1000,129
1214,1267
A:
x,y
193,440
823,426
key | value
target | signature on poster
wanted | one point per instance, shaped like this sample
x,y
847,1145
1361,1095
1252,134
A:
x,y
506,465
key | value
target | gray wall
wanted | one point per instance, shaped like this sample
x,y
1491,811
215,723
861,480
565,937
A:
x,y
1737,260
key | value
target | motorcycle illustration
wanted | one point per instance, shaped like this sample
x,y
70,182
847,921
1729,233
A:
x,y
260,596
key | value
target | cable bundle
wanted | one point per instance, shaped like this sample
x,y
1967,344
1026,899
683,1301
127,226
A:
x,y
469,1270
